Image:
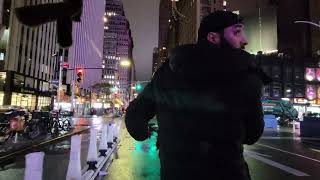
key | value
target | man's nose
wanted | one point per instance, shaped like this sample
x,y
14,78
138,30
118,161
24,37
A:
x,y
244,41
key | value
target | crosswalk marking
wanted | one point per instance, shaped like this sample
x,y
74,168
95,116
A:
x,y
316,150
291,138
299,155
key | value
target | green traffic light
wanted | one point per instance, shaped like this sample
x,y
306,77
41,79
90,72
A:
x,y
138,87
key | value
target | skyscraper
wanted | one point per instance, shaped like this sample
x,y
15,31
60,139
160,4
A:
x,y
87,49
117,48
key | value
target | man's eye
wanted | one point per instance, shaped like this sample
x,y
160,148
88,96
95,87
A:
x,y
237,32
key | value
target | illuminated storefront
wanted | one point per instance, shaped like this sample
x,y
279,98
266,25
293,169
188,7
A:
x,y
1,97
24,100
19,90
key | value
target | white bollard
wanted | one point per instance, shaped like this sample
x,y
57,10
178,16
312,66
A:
x,y
92,152
103,146
117,130
74,167
34,166
110,135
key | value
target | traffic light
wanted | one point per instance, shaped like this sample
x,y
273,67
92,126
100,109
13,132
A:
x,y
138,87
80,73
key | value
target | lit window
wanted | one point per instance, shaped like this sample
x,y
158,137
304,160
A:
x,y
1,56
224,3
237,12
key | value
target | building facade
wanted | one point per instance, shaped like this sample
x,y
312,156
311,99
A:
x,y
26,58
179,22
86,52
117,47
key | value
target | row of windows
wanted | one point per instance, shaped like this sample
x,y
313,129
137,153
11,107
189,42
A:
x,y
113,57
109,76
290,90
117,23
35,51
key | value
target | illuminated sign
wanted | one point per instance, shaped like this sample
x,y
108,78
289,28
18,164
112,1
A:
x,y
318,74
311,92
310,74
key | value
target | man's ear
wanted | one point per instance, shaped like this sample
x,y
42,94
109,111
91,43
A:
x,y
213,38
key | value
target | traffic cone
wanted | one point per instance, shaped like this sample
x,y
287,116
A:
x,y
92,158
74,167
34,166
103,147
110,135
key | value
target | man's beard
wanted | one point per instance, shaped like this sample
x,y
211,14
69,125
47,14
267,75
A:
x,y
225,44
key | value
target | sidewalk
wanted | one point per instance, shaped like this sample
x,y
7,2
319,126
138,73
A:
x,y
136,160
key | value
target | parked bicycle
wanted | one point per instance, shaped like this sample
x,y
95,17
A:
x,y
59,122
15,120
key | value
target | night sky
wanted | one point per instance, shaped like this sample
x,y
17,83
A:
x,y
143,16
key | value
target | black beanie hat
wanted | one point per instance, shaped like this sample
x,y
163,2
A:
x,y
216,22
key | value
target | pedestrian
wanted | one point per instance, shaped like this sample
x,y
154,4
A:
x,y
206,98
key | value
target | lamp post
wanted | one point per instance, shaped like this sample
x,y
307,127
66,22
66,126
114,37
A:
x,y
127,63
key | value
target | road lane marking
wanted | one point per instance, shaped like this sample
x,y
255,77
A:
x,y
274,164
299,155
316,150
265,155
293,138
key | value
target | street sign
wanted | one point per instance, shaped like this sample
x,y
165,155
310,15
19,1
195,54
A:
x,y
65,65
54,82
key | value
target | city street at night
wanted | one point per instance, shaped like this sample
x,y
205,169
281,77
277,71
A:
x,y
56,154
277,155
83,82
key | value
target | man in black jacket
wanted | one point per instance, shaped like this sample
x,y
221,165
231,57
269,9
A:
x,y
206,98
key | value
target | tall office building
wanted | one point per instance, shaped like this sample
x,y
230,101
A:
x,y
87,50
117,47
26,58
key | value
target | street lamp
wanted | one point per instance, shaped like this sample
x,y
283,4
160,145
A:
x,y
125,63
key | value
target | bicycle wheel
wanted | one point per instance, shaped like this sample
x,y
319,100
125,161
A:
x,y
66,124
34,131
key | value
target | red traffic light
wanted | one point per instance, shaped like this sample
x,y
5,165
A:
x,y
80,71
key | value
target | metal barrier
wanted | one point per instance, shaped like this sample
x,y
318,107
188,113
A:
x,y
108,145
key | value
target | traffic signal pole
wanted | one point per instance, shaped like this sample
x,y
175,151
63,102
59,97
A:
x,y
60,77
